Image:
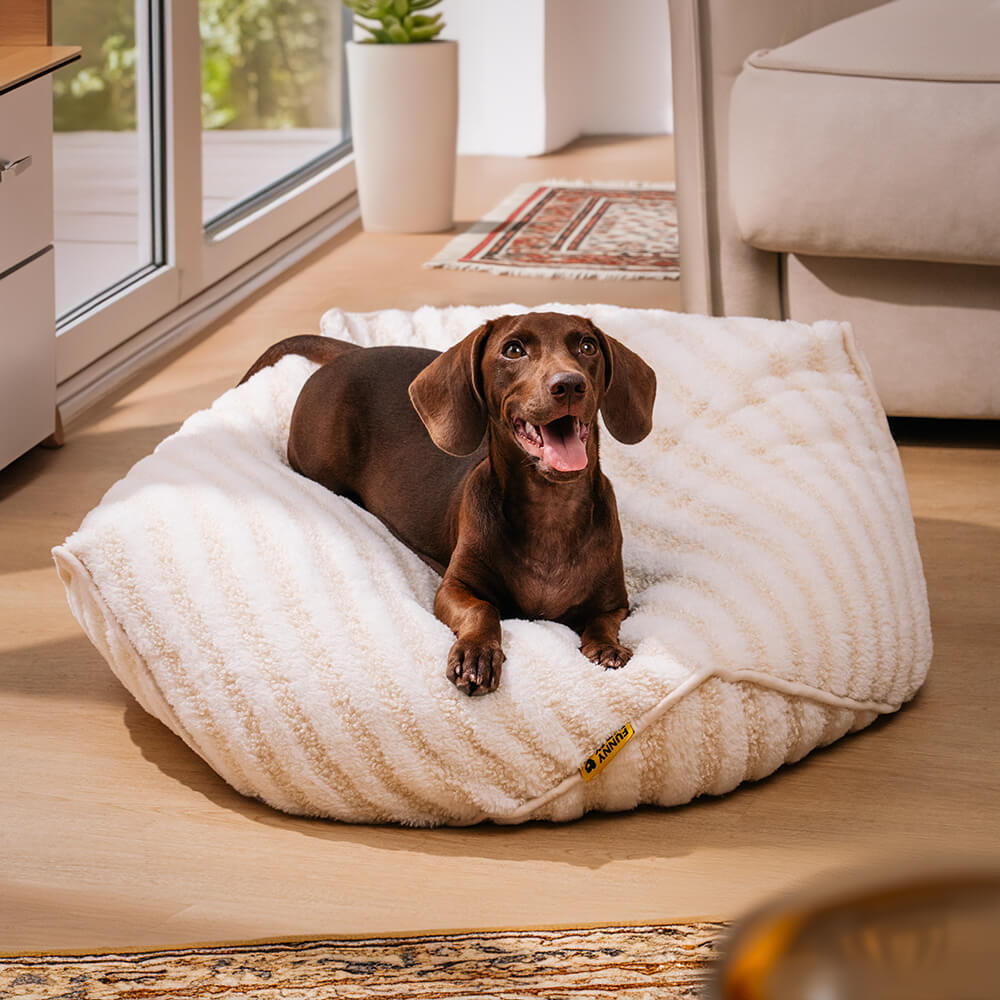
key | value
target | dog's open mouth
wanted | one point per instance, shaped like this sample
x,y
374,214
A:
x,y
561,445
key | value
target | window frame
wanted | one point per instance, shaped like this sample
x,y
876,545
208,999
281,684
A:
x,y
194,259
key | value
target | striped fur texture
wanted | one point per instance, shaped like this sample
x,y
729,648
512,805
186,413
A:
x,y
778,600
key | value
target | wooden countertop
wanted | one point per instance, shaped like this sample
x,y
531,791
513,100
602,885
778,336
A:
x,y
20,63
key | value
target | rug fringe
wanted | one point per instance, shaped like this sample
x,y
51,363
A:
x,y
631,185
549,272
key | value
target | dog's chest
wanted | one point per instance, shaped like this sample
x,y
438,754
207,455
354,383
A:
x,y
549,579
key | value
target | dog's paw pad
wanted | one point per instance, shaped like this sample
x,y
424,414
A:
x,y
611,656
474,667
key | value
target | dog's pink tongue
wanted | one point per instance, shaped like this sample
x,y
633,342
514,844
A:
x,y
562,448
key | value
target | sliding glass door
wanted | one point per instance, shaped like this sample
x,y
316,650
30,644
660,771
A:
x,y
272,98
190,139
106,151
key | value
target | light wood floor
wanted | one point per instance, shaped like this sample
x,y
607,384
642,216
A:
x,y
113,834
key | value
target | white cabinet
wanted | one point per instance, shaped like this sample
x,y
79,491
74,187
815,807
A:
x,y
27,355
27,274
26,181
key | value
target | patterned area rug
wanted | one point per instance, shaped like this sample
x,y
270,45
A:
x,y
573,229
662,961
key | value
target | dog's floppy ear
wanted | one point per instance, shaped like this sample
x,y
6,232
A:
x,y
448,395
629,391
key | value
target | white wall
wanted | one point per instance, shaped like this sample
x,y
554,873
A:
x,y
535,74
630,87
501,69
568,46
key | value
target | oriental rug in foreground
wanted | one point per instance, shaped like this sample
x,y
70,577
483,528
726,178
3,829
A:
x,y
668,962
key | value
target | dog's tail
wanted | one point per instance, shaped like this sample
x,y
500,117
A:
x,y
322,350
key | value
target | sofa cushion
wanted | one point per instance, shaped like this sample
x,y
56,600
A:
x,y
875,136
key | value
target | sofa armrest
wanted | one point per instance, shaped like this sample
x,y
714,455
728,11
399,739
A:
x,y
709,40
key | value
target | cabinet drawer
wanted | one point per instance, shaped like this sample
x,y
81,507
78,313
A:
x,y
26,196
27,356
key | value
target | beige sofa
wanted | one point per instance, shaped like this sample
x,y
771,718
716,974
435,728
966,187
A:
x,y
840,159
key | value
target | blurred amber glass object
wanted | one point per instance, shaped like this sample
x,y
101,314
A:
x,y
917,936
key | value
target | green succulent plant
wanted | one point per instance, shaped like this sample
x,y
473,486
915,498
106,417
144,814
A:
x,y
397,21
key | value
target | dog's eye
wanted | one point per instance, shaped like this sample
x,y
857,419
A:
x,y
513,349
588,346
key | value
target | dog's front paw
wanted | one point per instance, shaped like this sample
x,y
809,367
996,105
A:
x,y
609,655
474,667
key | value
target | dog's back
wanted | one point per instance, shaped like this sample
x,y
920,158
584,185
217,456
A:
x,y
355,431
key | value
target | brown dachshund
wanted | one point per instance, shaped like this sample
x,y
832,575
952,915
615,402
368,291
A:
x,y
483,460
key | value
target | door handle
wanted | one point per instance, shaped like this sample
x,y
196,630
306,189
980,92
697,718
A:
x,y
11,168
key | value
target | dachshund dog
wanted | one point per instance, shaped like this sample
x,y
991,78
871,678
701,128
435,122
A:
x,y
484,461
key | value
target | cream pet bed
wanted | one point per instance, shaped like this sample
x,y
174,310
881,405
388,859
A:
x,y
778,600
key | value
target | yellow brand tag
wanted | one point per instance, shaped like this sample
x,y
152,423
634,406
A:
x,y
605,753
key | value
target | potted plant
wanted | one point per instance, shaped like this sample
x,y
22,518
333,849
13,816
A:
x,y
403,84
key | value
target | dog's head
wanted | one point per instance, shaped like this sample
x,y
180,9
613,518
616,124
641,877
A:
x,y
541,379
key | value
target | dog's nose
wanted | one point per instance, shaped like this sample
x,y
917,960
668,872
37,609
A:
x,y
567,385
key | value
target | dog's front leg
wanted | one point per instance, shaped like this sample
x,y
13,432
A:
x,y
600,640
475,659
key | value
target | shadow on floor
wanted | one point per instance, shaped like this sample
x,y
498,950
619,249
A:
x,y
769,812
856,779
68,670
936,433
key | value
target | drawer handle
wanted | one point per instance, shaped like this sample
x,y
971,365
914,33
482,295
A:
x,y
14,167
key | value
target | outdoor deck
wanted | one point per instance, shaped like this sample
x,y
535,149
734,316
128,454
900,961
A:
x,y
98,226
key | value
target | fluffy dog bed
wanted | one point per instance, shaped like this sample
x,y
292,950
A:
x,y
777,595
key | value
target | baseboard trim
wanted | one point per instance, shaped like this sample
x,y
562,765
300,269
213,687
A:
x,y
88,387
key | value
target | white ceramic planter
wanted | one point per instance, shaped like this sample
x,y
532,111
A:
x,y
404,120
